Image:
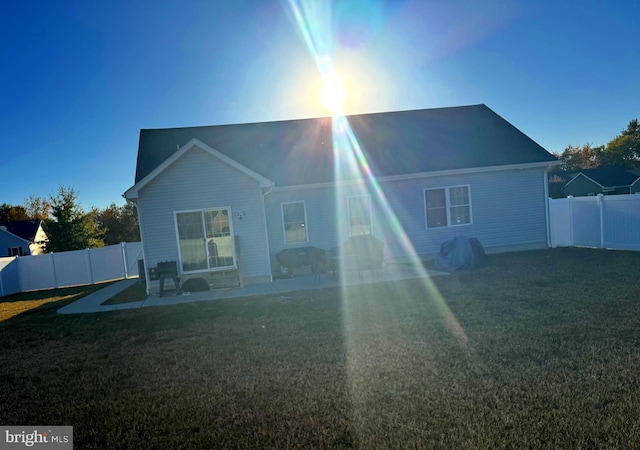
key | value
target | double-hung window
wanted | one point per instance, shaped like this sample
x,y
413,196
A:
x,y
359,215
448,206
294,218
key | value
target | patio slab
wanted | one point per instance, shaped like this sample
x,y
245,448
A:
x,y
390,272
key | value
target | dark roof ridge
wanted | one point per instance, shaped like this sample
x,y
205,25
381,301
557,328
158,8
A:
x,y
372,113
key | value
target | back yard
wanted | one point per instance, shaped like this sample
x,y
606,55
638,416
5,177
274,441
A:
x,y
537,350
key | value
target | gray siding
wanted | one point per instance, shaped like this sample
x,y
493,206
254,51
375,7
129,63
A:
x,y
9,240
508,211
197,180
581,186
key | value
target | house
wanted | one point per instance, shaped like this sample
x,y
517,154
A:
x,y
22,237
210,196
601,180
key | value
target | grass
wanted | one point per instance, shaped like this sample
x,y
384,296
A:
x,y
537,350
15,304
134,293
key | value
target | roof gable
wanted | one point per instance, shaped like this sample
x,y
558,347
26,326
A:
x,y
300,152
13,237
24,229
608,177
133,191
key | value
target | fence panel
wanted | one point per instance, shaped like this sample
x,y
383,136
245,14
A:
x,y
71,268
560,221
621,222
133,252
9,279
586,221
52,270
36,272
611,221
107,263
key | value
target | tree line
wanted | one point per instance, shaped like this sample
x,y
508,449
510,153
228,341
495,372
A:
x,y
623,151
70,227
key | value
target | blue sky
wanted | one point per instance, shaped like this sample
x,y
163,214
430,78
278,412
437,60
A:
x,y
80,79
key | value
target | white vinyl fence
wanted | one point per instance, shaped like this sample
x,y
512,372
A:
x,y
603,221
54,270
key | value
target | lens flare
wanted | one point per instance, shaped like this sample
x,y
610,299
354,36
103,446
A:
x,y
333,94
373,331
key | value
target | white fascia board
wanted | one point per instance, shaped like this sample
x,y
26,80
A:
x,y
590,179
132,192
440,173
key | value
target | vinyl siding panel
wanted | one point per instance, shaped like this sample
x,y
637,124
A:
x,y
507,210
8,240
321,224
196,181
581,186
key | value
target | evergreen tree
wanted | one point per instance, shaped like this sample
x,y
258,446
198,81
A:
x,y
70,227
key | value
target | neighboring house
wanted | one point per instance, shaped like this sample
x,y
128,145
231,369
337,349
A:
x,y
271,186
22,237
601,180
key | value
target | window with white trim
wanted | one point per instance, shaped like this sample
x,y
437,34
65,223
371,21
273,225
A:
x,y
359,215
448,206
294,220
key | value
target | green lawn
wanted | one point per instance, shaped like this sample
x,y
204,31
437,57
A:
x,y
537,350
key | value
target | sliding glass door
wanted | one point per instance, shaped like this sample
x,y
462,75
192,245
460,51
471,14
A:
x,y
205,240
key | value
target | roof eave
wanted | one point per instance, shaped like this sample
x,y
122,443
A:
x,y
524,166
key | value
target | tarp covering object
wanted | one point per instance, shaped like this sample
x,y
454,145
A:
x,y
461,253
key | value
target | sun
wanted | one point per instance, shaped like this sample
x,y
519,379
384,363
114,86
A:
x,y
333,94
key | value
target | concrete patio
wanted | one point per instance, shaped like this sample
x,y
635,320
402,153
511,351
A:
x,y
390,272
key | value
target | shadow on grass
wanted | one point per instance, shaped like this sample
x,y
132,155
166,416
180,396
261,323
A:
x,y
23,302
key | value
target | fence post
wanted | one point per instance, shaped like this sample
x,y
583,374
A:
x,y
123,246
571,219
53,270
90,266
600,208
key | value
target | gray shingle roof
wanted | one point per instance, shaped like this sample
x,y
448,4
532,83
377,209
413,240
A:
x,y
295,152
610,176
25,229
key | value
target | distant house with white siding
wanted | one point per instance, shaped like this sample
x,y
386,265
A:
x,y
22,237
209,195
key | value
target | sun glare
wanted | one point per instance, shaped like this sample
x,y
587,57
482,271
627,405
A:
x,y
333,94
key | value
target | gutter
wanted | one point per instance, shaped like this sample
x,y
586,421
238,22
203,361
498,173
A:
x,y
266,227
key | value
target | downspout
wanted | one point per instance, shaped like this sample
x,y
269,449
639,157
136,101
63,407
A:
x,y
147,281
266,228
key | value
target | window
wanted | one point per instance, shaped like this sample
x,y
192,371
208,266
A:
x,y
294,218
15,251
359,215
205,240
446,207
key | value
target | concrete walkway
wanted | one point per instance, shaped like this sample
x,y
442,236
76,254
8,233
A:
x,y
93,302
